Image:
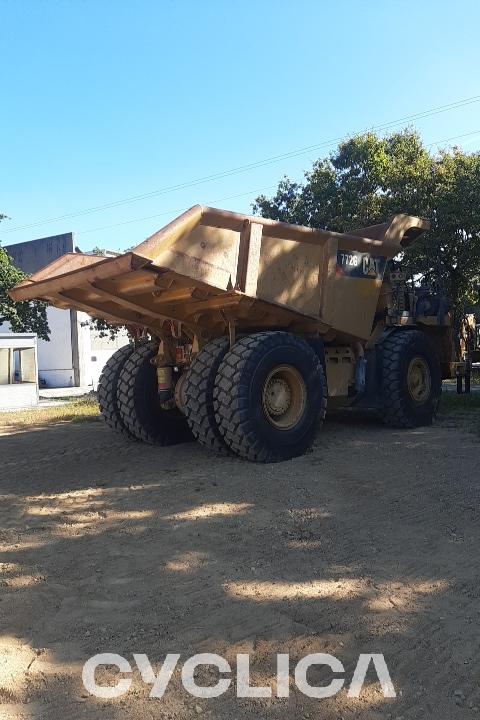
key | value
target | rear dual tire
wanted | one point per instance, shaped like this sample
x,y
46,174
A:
x,y
138,404
263,399
198,393
107,390
269,397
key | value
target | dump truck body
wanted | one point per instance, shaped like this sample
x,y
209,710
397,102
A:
x,y
213,276
210,263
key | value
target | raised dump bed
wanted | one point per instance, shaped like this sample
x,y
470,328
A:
x,y
209,265
243,326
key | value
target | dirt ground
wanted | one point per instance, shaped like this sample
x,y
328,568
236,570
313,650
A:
x,y
368,544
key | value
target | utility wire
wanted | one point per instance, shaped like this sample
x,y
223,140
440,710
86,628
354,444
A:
x,y
171,212
234,197
454,137
245,168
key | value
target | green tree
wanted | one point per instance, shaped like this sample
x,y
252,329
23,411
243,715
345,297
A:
x,y
368,178
23,316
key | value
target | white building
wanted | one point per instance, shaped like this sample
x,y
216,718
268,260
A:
x,y
75,354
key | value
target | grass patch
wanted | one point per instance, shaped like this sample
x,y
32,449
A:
x,y
452,402
461,411
77,410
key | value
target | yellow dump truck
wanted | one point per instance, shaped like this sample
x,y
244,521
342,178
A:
x,y
244,328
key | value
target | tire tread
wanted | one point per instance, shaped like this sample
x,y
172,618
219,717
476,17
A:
x,y
107,390
132,409
199,388
231,393
395,411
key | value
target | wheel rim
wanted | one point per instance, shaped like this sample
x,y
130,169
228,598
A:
x,y
419,380
284,397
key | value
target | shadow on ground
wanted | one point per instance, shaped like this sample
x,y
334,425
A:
x,y
367,544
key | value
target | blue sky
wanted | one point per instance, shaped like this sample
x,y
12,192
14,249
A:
x,y
101,101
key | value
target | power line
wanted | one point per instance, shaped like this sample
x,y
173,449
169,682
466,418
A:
x,y
170,212
234,197
245,168
454,137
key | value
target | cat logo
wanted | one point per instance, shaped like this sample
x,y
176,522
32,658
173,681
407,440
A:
x,y
355,264
371,266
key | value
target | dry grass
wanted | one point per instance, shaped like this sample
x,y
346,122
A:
x,y
75,410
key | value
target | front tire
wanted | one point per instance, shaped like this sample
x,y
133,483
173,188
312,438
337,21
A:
x,y
138,403
411,380
269,397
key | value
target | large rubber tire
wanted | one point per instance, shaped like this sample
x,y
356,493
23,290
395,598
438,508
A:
x,y
400,408
198,392
239,396
107,390
138,402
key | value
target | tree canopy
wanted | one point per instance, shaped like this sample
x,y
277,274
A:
x,y
28,317
369,178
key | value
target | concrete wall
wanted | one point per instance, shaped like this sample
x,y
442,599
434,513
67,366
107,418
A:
x,y
83,334
14,397
35,254
55,364
101,350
